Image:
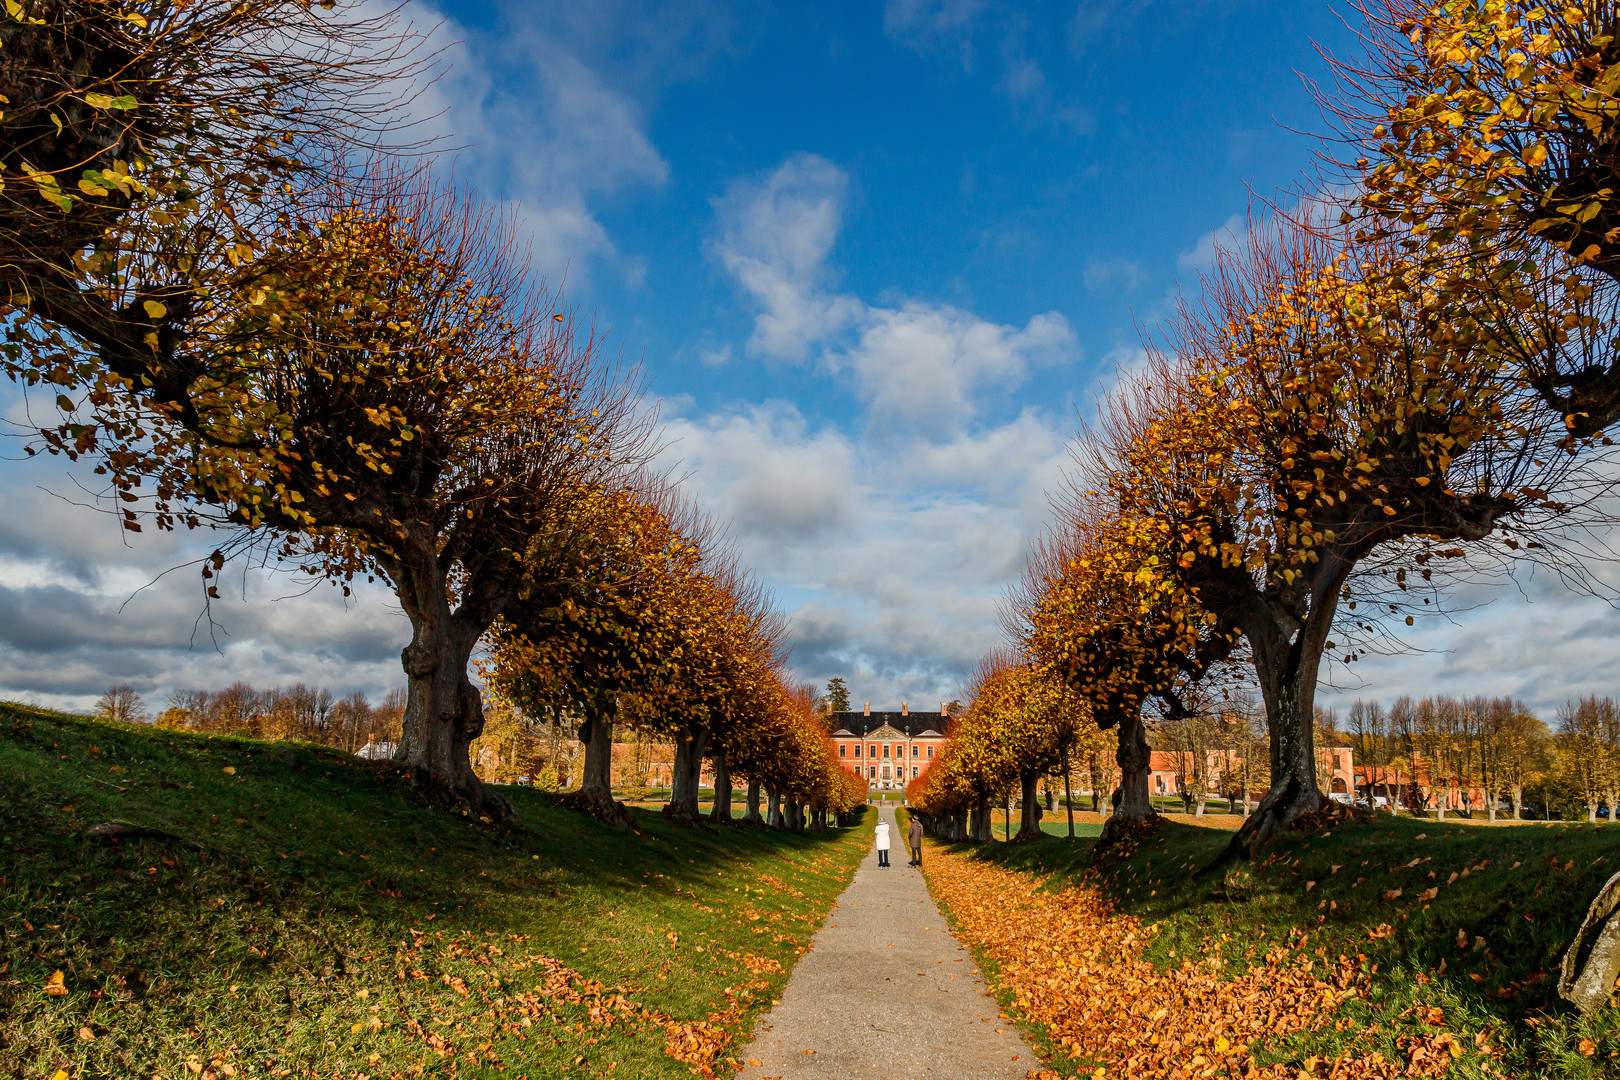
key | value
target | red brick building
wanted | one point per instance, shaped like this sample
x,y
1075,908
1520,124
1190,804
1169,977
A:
x,y
888,749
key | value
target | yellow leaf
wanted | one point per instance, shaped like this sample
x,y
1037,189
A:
x,y
230,770
154,309
140,21
54,986
1221,1045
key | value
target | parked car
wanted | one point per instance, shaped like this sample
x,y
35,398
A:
x,y
1343,798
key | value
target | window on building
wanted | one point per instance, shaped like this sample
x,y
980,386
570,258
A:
x,y
872,771
914,772
915,749
857,749
930,751
871,750
843,751
885,749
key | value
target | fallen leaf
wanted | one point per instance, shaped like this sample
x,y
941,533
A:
x,y
87,1035
54,985
230,770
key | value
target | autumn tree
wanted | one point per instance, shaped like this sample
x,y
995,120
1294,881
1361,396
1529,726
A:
x,y
1490,131
1334,406
443,424
143,147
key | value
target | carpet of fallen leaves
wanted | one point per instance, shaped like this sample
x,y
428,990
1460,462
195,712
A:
x,y
1071,964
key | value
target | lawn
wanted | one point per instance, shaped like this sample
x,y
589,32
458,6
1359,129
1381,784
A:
x,y
1439,927
299,913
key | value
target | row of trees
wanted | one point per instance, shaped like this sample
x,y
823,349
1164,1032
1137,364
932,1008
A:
x,y
1406,380
251,318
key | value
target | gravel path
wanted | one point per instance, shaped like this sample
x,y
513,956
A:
x,y
885,991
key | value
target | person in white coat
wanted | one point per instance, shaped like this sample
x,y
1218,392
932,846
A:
x,y
883,845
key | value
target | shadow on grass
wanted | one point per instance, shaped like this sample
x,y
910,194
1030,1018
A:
x,y
1469,921
300,874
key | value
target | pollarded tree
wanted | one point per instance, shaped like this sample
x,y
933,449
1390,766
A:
x,y
1335,405
603,617
1491,134
1102,613
442,428
142,147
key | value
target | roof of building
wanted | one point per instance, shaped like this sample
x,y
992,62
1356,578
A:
x,y
917,725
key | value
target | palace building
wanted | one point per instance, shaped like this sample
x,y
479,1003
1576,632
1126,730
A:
x,y
888,749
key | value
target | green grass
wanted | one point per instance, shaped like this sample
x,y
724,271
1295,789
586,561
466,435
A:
x,y
1518,921
312,917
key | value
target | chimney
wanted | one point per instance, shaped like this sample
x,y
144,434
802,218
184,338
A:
x,y
904,711
942,708
868,708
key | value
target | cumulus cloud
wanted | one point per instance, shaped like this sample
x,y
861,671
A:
x,y
88,606
926,367
775,237
525,114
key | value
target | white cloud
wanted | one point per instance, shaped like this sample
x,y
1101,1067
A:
x,y
1121,274
1228,236
530,118
775,237
934,25
925,366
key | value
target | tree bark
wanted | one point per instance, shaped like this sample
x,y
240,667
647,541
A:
x,y
595,795
721,810
444,711
688,770
1068,798
751,815
1134,804
775,819
1029,817
1518,802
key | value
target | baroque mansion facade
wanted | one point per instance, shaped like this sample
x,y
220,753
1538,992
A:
x,y
888,749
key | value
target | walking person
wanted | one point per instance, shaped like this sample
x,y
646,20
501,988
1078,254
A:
x,y
883,845
914,835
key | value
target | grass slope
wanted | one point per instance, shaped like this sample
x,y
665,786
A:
x,y
1480,954
308,917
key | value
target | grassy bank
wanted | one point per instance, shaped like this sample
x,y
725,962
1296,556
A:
x,y
298,913
1437,946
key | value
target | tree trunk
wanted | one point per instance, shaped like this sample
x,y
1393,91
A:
x,y
751,815
721,810
1068,800
1287,672
444,711
595,795
1029,818
1518,802
1047,788
774,821
1591,812
1133,803
688,770
1202,800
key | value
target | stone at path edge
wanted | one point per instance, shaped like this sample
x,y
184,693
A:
x,y
885,992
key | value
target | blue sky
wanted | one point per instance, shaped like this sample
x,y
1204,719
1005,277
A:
x,y
874,259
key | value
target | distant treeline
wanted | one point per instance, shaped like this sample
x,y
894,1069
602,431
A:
x,y
306,713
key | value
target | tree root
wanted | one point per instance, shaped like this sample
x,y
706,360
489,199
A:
x,y
1120,836
684,814
599,805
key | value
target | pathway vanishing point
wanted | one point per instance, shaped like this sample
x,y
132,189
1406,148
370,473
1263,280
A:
x,y
885,991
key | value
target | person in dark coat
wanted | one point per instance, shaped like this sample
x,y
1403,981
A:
x,y
914,837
